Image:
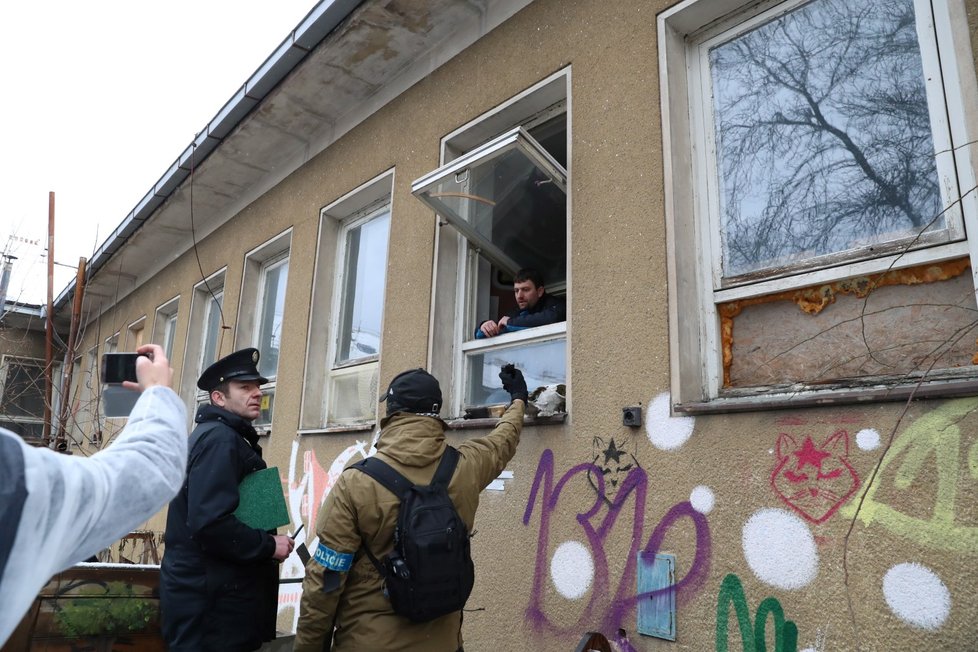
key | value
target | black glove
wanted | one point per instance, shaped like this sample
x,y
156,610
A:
x,y
513,382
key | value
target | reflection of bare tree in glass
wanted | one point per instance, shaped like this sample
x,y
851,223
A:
x,y
824,138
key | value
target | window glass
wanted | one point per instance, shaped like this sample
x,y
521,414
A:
x,y
212,329
362,298
508,197
169,332
823,135
272,313
353,395
27,430
23,390
542,364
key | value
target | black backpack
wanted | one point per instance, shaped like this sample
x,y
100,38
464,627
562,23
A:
x,y
429,573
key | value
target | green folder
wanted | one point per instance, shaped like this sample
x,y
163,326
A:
x,y
261,503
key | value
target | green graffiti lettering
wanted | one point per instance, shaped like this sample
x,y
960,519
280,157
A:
x,y
752,639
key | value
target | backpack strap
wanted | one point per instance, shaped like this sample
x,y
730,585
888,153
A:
x,y
443,474
398,485
383,473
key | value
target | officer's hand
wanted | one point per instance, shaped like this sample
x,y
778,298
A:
x,y
513,382
283,547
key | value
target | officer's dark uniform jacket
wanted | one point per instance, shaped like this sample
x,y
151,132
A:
x,y
359,510
218,584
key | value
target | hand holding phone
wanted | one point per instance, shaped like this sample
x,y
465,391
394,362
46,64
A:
x,y
117,368
124,375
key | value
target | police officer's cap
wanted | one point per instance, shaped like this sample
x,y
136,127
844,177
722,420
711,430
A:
x,y
241,365
413,391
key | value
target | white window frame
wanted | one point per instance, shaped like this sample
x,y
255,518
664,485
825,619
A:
x,y
694,291
165,325
354,208
269,255
451,340
196,332
134,332
111,346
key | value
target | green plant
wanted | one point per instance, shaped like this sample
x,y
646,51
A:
x,y
109,610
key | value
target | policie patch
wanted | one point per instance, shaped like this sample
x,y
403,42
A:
x,y
337,561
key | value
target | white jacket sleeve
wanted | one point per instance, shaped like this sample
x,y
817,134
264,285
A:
x,y
75,506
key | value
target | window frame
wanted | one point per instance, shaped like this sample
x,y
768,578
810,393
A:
x,y
212,286
269,255
358,206
165,325
695,344
450,339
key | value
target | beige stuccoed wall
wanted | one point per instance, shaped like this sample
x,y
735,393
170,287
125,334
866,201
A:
x,y
528,553
16,342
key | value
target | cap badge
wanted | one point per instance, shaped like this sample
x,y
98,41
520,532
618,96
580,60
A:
x,y
254,356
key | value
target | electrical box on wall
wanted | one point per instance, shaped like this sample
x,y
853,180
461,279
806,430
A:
x,y
657,613
631,416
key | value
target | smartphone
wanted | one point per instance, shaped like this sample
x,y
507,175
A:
x,y
118,401
118,367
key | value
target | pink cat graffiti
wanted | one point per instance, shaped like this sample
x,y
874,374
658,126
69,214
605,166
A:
x,y
814,480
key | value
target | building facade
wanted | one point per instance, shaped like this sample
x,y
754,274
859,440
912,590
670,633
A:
x,y
759,418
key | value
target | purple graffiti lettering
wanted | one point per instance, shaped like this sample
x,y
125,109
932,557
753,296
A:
x,y
599,609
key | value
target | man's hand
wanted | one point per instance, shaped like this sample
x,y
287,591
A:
x,y
513,382
283,547
489,328
152,368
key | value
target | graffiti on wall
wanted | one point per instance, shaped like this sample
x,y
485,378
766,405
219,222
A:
x,y
579,567
931,449
613,460
752,636
814,480
306,493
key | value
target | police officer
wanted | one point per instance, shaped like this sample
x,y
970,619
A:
x,y
219,577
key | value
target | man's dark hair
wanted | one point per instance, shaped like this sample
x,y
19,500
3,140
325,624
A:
x,y
529,274
223,388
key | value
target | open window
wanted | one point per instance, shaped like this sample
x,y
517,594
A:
x,y
505,199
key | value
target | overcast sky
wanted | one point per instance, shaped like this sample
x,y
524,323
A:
x,y
99,98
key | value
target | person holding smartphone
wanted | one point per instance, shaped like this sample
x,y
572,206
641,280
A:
x,y
56,510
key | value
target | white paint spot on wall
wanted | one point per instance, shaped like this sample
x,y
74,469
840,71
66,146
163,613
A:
x,y
780,549
702,499
868,439
571,569
916,595
667,432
